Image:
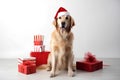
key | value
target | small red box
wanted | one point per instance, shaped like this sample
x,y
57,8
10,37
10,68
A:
x,y
41,57
38,39
27,69
89,66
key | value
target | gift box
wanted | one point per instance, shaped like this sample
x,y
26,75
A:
x,y
39,48
41,57
38,39
27,69
27,65
88,66
90,63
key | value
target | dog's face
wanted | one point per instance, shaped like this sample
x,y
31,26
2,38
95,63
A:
x,y
64,23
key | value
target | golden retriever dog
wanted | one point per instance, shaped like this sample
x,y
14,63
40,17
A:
x,y
61,56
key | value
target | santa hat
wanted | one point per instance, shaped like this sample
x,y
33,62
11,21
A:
x,y
61,11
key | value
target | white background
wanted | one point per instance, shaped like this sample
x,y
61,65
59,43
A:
x,y
96,30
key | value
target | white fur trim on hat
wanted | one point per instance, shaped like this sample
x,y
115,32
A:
x,y
63,13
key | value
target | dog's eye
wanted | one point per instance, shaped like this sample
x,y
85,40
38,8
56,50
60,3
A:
x,y
66,18
59,17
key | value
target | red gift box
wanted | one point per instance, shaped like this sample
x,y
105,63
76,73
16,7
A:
x,y
41,57
89,66
27,68
90,63
38,39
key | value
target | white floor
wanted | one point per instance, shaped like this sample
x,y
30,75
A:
x,y
111,71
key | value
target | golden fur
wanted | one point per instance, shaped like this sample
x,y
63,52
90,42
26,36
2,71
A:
x,y
61,56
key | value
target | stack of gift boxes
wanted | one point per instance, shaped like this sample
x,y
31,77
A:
x,y
37,57
38,43
39,50
27,65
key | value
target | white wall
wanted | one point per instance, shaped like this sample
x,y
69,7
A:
x,y
97,25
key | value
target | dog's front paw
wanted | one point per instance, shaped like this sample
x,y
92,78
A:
x,y
52,74
71,73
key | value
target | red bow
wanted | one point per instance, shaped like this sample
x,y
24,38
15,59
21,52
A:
x,y
89,57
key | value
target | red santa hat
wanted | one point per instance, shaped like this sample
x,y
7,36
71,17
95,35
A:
x,y
61,11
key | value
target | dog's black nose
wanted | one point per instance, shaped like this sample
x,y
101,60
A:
x,y
63,24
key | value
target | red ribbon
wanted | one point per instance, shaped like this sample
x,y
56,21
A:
x,y
89,57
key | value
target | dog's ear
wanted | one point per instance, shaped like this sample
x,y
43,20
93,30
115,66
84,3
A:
x,y
55,23
72,22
